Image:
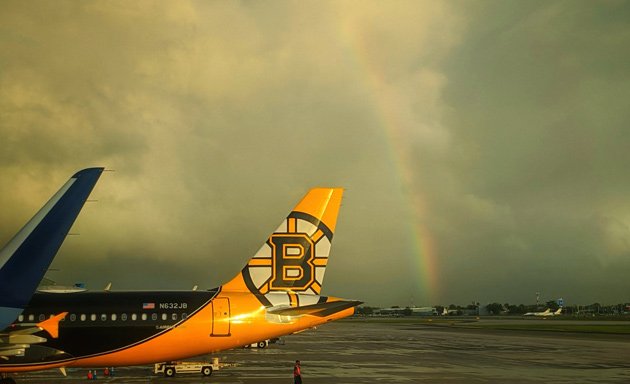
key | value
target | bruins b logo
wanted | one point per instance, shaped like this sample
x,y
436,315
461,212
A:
x,y
292,259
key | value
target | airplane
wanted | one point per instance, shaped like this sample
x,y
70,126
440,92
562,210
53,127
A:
x,y
449,312
546,313
277,293
27,256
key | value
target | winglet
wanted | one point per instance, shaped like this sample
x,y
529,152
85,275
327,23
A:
x,y
51,325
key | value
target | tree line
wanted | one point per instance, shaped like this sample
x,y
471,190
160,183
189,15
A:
x,y
515,309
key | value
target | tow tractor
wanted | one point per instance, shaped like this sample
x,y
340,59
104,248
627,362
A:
x,y
170,368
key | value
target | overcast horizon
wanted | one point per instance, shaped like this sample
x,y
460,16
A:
x,y
483,145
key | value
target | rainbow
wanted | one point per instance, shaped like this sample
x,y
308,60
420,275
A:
x,y
392,119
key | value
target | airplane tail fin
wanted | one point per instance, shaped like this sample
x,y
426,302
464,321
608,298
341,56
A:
x,y
27,256
294,257
559,311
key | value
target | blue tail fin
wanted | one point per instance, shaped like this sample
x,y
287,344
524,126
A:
x,y
27,256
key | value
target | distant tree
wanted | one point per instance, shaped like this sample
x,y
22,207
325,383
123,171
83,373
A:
x,y
365,310
531,308
515,309
494,308
551,304
593,308
569,310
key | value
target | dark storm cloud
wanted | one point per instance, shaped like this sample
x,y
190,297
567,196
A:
x,y
539,116
505,120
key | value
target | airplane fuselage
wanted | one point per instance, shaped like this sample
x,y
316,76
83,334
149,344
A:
x,y
136,327
277,293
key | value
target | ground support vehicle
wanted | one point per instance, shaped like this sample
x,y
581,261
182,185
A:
x,y
171,368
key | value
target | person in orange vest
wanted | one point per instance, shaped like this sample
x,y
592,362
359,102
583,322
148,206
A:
x,y
106,372
297,372
89,375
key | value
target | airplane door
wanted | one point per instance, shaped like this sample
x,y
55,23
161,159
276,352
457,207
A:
x,y
220,317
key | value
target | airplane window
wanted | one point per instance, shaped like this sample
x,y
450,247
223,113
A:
x,y
83,317
113,317
103,317
123,317
73,317
174,316
154,316
184,316
42,317
144,316
134,317
93,317
31,317
164,316
21,318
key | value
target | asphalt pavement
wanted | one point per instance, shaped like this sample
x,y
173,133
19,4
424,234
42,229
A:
x,y
402,352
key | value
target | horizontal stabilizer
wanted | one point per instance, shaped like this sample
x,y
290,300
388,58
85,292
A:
x,y
320,309
16,342
16,338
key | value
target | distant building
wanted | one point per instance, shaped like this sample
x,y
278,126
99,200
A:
x,y
393,311
423,311
409,311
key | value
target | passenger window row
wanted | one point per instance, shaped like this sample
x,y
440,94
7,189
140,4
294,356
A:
x,y
104,317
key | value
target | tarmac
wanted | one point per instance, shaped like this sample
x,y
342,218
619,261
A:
x,y
401,352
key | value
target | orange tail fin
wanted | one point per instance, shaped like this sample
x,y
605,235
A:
x,y
294,257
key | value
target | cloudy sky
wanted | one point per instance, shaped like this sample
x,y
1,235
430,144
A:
x,y
484,146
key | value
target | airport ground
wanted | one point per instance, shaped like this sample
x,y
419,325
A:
x,y
416,351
